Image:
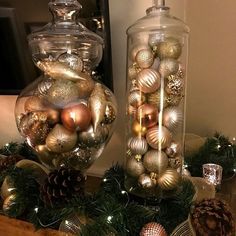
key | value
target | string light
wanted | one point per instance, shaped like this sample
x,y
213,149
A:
x,y
109,218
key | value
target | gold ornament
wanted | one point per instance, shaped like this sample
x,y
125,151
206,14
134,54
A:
x,y
72,60
133,86
156,64
134,168
8,188
92,138
136,98
110,114
146,182
59,70
133,71
174,85
60,139
181,72
85,87
44,86
170,48
168,67
153,229
173,100
45,156
155,99
97,104
135,49
174,149
169,180
138,129
132,111
148,80
176,162
155,39
147,115
8,203
138,145
144,58
172,118
53,116
158,137
155,161
62,92
34,103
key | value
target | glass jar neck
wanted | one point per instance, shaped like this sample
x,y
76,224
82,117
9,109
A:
x,y
158,10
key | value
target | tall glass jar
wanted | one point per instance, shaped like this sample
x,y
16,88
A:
x,y
156,89
66,115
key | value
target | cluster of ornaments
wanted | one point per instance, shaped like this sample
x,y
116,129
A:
x,y
156,91
67,117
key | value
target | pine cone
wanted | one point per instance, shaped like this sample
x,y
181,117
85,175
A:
x,y
62,185
212,217
9,161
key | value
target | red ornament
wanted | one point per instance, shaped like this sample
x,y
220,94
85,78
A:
x,y
76,117
147,115
153,229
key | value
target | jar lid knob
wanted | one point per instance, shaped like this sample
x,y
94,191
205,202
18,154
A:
x,y
159,3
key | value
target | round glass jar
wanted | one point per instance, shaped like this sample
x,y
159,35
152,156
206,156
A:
x,y
156,89
66,115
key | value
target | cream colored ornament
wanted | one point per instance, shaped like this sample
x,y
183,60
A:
x,y
144,58
155,161
134,168
138,145
168,67
148,80
169,180
158,137
60,139
97,104
135,49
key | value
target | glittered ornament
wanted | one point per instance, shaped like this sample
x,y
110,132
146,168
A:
x,y
144,58
92,138
174,149
174,100
156,99
133,71
76,117
135,49
147,115
170,48
158,137
168,67
134,168
62,92
132,111
176,162
60,139
72,60
34,103
153,229
97,104
169,180
85,87
110,114
44,86
139,129
181,72
145,181
172,118
174,85
136,98
148,80
155,39
155,161
138,145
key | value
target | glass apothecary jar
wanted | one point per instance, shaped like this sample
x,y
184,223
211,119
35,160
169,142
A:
x,y
66,115
156,88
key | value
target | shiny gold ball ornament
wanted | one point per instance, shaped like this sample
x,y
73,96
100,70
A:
x,y
136,98
138,129
175,85
110,114
147,115
62,92
159,137
134,168
176,162
76,117
44,86
172,118
156,100
135,49
144,58
153,229
60,139
138,145
34,103
169,180
155,161
148,80
170,48
168,67
146,182
85,87
174,149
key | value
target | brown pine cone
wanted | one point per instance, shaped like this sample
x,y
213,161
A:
x,y
212,217
62,185
8,161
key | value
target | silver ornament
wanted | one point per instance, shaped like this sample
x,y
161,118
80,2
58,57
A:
x,y
174,85
146,182
176,162
170,48
148,80
144,58
158,137
136,98
72,60
168,67
172,118
138,145
174,149
135,49
169,180
155,161
134,168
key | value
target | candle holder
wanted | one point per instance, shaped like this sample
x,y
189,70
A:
x,y
212,173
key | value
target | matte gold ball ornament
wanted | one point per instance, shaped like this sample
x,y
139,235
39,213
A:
x,y
169,180
147,115
134,168
138,145
153,229
144,58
